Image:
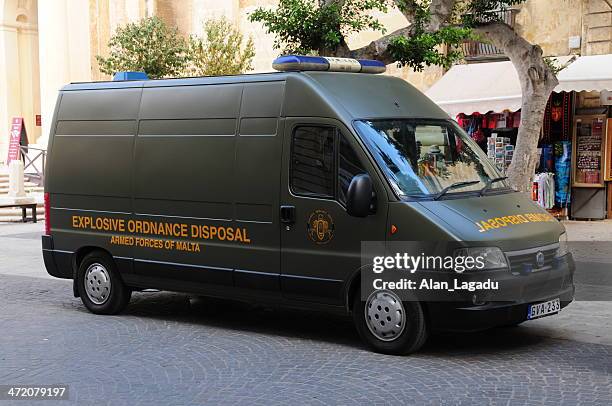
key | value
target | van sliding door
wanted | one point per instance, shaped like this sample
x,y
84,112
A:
x,y
207,167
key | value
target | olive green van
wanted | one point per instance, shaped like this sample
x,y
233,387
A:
x,y
263,188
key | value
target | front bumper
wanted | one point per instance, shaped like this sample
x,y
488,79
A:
x,y
467,316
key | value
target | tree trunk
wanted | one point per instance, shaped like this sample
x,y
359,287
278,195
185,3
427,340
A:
x,y
537,83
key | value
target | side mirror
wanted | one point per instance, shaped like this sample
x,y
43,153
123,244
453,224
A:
x,y
359,196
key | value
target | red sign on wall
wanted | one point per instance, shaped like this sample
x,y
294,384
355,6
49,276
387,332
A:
x,y
38,120
18,137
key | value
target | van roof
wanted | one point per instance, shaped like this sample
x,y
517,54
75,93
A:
x,y
184,81
350,95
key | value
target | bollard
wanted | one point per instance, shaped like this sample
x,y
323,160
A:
x,y
16,181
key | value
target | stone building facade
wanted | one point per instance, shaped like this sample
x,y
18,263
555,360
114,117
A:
x,y
45,44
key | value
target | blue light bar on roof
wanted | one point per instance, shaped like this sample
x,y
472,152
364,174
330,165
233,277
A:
x,y
325,63
130,76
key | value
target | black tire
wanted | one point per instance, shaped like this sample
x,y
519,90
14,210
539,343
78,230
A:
x,y
410,340
110,298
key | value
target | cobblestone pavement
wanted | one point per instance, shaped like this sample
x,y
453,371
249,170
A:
x,y
170,349
167,349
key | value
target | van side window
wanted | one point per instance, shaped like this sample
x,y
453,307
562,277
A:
x,y
349,165
312,161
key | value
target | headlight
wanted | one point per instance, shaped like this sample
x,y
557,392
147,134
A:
x,y
485,258
563,245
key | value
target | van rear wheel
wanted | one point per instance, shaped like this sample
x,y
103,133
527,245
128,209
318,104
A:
x,y
388,325
100,286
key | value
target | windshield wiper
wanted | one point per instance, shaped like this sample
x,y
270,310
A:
x,y
455,185
490,183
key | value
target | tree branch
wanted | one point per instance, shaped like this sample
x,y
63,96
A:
x,y
378,49
523,55
325,3
407,8
440,11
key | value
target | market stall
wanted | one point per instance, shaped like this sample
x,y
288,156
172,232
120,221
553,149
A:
x,y
485,99
589,78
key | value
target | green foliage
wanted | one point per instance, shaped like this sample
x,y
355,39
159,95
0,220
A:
x,y
149,46
424,48
220,51
301,26
553,65
305,27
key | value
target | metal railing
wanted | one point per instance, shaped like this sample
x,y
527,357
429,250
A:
x,y
477,51
34,163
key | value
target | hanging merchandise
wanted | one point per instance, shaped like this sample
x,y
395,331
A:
x,y
546,159
557,117
480,127
516,119
546,189
562,171
474,129
462,120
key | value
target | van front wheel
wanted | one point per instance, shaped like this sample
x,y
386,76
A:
x,y
100,286
389,325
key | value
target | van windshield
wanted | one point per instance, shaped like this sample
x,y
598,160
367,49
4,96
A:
x,y
422,157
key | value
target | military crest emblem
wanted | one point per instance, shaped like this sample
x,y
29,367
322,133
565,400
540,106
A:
x,y
320,227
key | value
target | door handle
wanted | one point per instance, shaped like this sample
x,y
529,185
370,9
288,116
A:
x,y
287,214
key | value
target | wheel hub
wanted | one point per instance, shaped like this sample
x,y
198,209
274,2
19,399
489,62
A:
x,y
97,283
385,315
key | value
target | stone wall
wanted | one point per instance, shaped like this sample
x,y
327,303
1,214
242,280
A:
x,y
550,24
597,27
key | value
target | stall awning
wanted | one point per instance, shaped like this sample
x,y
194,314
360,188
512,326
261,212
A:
x,y
483,87
478,87
587,73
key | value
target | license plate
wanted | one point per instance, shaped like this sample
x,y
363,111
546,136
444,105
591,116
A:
x,y
538,310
